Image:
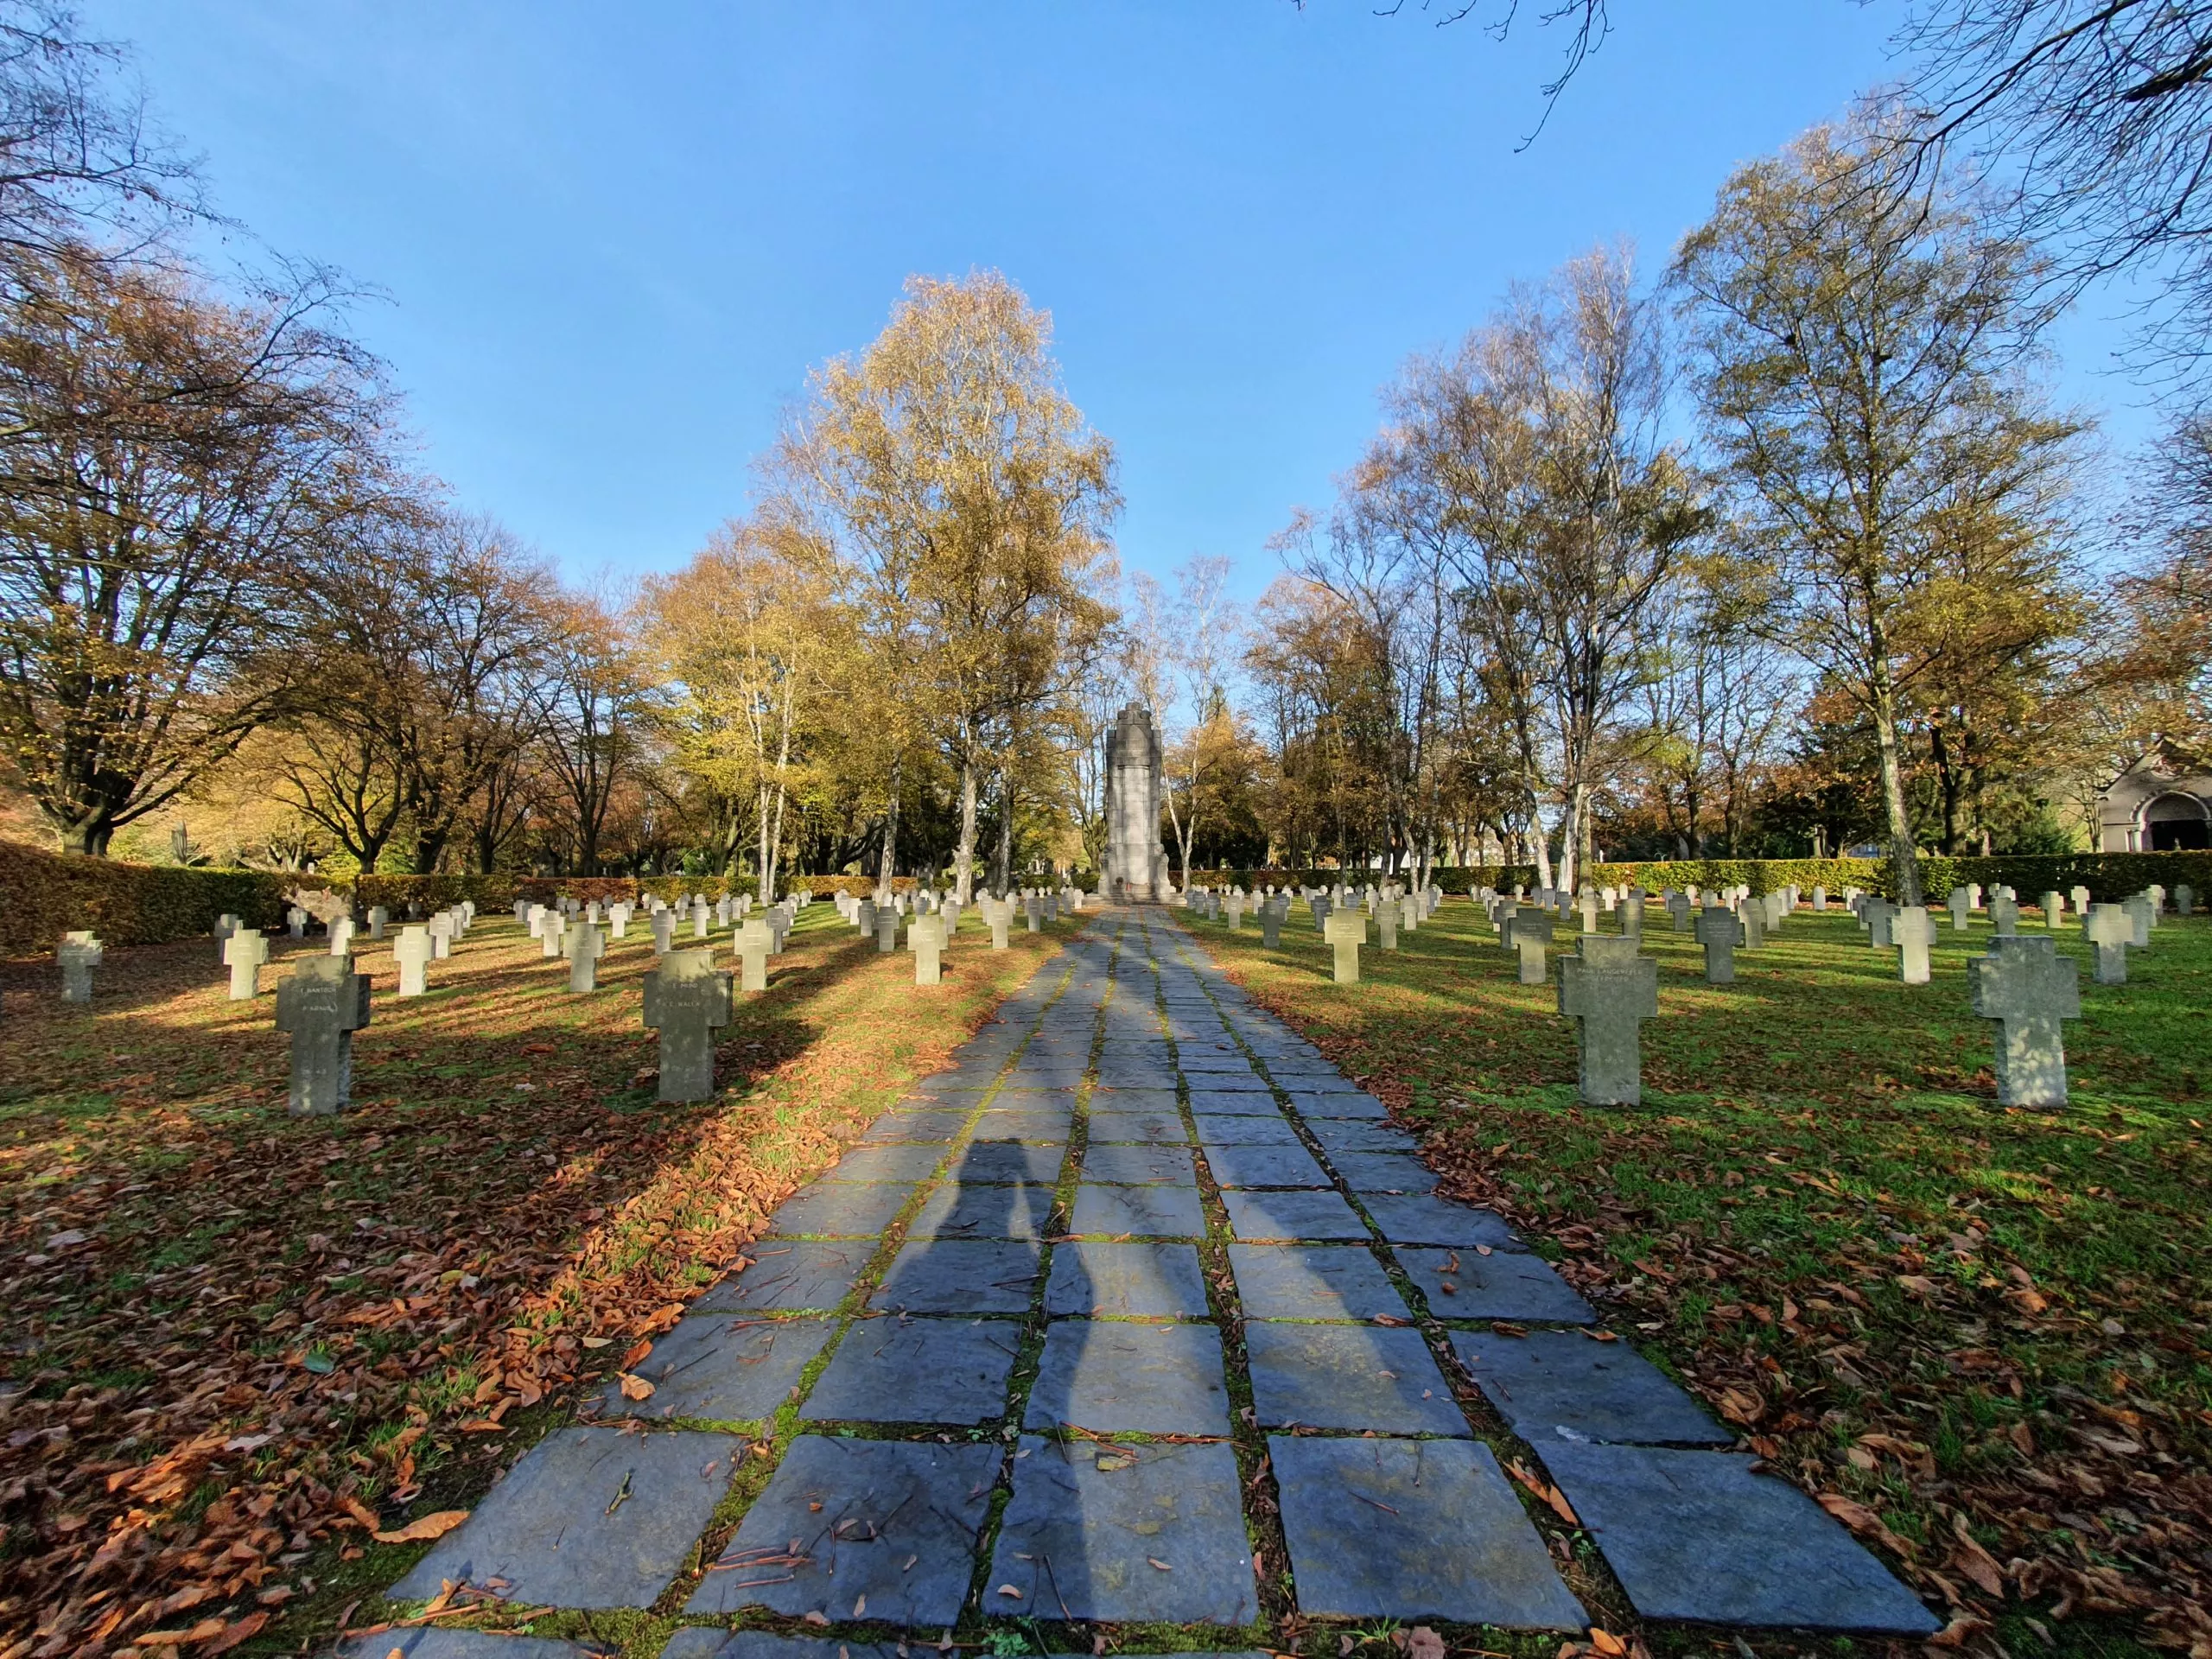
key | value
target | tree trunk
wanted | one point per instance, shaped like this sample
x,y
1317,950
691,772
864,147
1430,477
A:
x,y
89,836
1947,779
1002,860
964,858
1904,856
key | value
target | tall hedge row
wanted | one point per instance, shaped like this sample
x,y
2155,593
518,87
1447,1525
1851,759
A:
x,y
44,895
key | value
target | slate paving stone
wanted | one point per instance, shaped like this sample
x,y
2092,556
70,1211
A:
x,y
789,1277
1141,1211
1205,1099
860,1511
1350,1376
1439,1534
1215,1083
1296,1066
1003,1163
958,1212
1312,1281
960,1276
1046,1074
968,1080
1078,1541
712,1642
1553,1380
1383,1172
1348,1105
553,1531
1215,1128
926,1126
1277,1217
1133,1100
1117,1278
1503,1285
1419,1218
1247,1166
1045,1128
1139,1379
1214,1061
723,1369
839,1211
1134,1074
889,1164
895,1370
1357,1134
1119,1165
1697,1536
1152,1128
429,1642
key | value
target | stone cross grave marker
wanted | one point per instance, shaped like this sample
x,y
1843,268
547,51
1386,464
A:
x,y
1974,895
2184,899
886,931
2156,895
779,919
522,910
1752,914
1718,930
296,920
413,952
2138,912
78,953
2053,909
1271,920
226,924
584,946
2109,933
378,917
1914,930
1961,909
1346,930
442,929
699,927
1880,915
1320,906
320,1005
1608,989
925,934
2005,915
1235,912
537,919
1632,910
1409,916
755,940
2080,899
1386,920
554,934
341,936
1532,929
1679,908
864,918
1819,901
1586,902
617,920
686,1000
2029,989
999,913
1032,910
245,952
663,927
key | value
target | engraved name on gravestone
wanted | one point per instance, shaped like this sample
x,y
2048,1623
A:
x,y
1718,931
1532,930
1346,931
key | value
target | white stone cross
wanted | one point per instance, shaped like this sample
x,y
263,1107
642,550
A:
x,y
1529,931
584,946
1914,930
378,917
2109,932
439,930
2028,989
78,953
1346,930
244,953
925,937
755,939
414,953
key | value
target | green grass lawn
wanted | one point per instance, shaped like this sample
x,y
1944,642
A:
x,y
234,1340
1979,1332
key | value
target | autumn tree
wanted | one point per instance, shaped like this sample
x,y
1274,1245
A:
x,y
1863,341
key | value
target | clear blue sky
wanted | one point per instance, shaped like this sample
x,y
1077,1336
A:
x,y
613,238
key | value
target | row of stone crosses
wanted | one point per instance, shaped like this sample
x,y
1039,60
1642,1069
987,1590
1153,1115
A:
x,y
323,1001
1608,987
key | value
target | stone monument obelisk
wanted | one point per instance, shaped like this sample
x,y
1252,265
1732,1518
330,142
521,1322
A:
x,y
1136,864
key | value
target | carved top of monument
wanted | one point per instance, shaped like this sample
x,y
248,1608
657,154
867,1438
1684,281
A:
x,y
1135,741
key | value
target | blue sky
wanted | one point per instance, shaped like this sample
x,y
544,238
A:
x,y
610,240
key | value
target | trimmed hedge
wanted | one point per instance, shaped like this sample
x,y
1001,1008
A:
x,y
44,895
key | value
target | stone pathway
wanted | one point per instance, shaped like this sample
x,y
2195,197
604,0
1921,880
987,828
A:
x,y
1064,1331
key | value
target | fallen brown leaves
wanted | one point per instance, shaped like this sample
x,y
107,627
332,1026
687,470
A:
x,y
266,1334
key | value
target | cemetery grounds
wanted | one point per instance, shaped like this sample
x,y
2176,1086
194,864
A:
x,y
1977,1335
239,1344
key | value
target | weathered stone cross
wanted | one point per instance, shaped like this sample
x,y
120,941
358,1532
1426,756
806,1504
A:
x,y
2028,989
78,953
755,940
686,1000
1531,929
320,1004
1718,930
2109,932
1347,930
1607,988
585,945
413,952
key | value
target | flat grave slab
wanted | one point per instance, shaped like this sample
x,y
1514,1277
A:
x,y
859,1510
1350,1376
1548,1380
1697,1536
1419,1218
1278,1217
1120,1166
1503,1285
721,1369
789,1277
1080,1542
1256,1166
1439,1534
894,1370
960,1276
1138,1212
955,1211
1312,1281
839,1211
1141,1379
555,1532
1094,1277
